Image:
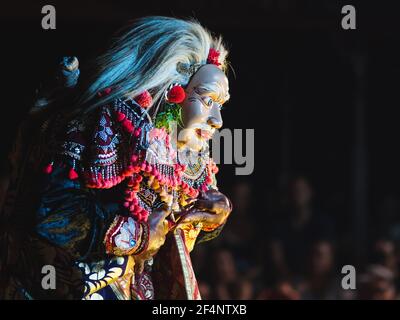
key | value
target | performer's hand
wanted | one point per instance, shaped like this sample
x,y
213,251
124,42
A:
x,y
157,233
211,209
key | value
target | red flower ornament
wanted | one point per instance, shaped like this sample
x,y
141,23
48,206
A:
x,y
213,57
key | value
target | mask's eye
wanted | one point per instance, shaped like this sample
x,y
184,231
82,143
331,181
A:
x,y
207,101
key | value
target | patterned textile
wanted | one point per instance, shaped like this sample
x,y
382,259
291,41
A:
x,y
174,258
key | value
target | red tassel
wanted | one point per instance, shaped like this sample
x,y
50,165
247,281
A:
x,y
128,126
120,116
72,174
134,158
144,215
48,169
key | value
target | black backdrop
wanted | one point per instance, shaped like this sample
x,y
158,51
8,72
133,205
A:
x,y
295,84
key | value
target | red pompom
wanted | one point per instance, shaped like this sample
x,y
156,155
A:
x,y
144,99
72,174
176,94
48,169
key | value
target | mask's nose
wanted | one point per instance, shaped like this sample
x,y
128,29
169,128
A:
x,y
215,119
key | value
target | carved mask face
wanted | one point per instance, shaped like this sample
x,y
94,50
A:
x,y
206,92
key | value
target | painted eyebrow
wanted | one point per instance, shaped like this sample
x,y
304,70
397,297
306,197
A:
x,y
212,89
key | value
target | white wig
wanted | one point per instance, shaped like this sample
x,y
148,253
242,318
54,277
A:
x,y
151,54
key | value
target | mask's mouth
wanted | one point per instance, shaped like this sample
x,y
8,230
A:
x,y
204,134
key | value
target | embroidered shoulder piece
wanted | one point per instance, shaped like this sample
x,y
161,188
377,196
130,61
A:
x,y
106,146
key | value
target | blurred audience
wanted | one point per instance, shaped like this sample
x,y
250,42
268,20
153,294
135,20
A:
x,y
292,253
377,283
296,227
321,281
281,290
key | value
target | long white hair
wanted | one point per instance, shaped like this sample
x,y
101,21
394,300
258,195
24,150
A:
x,y
149,55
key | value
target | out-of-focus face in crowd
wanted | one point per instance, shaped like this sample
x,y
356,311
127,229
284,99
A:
x,y
322,258
225,266
300,192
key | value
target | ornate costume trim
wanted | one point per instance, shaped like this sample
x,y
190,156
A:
x,y
190,283
100,274
124,236
144,238
142,287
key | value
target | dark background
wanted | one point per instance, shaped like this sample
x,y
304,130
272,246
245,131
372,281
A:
x,y
323,101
